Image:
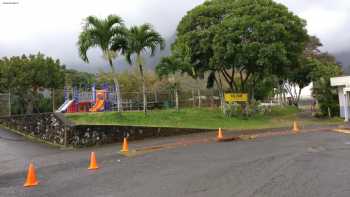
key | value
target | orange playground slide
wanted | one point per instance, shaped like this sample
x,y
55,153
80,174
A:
x,y
98,106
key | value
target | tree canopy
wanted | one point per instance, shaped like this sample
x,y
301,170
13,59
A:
x,y
24,76
107,34
239,39
79,78
326,95
140,41
31,72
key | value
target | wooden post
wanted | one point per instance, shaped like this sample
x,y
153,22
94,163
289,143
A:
x,y
53,99
223,103
199,98
155,96
346,107
176,99
193,98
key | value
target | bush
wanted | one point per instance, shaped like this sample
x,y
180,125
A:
x,y
43,105
245,110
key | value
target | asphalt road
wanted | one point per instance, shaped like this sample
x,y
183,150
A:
x,y
307,164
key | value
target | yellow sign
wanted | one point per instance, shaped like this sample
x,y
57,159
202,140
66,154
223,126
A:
x,y
236,97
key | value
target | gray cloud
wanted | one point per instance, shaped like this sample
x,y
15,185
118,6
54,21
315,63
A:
x,y
325,19
52,27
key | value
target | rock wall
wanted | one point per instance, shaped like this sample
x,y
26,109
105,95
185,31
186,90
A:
x,y
87,135
54,128
48,127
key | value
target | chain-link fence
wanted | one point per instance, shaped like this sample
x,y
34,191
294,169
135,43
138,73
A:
x,y
167,99
84,99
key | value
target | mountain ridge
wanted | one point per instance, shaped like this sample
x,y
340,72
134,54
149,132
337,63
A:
x,y
342,57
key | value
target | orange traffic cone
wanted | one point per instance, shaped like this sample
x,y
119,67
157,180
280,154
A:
x,y
31,176
220,135
125,147
295,127
93,163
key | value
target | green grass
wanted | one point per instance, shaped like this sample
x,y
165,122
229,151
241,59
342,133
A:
x,y
196,118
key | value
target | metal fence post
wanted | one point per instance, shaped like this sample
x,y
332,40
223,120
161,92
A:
x,y
155,96
199,98
53,99
176,99
9,103
193,99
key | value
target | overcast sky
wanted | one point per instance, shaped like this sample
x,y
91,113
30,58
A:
x,y
52,27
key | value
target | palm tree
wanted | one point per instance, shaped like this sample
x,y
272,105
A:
x,y
169,66
142,40
109,35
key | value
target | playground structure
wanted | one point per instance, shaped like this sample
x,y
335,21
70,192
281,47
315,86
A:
x,y
101,100
88,99
85,101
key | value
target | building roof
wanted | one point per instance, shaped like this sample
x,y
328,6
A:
x,y
340,81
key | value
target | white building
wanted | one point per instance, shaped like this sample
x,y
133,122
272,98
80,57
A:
x,y
306,92
343,85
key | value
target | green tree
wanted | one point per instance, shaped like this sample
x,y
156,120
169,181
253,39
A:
x,y
300,76
240,39
297,79
262,88
168,67
109,35
27,76
326,95
142,40
78,78
130,80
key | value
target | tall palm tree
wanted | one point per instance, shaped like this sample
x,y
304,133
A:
x,y
143,40
109,35
169,66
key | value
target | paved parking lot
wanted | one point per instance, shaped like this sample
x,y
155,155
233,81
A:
x,y
308,164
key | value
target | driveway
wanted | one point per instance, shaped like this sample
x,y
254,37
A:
x,y
309,164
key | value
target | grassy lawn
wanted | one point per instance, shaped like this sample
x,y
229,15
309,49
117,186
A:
x,y
198,118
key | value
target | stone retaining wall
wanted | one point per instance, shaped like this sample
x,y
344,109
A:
x,y
87,135
55,129
47,127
